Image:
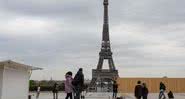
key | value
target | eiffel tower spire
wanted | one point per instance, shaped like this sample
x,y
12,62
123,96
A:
x,y
105,36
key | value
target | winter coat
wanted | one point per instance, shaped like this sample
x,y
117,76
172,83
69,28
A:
x,y
68,84
78,81
115,87
145,91
138,90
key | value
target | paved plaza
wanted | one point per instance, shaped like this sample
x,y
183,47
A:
x,y
48,95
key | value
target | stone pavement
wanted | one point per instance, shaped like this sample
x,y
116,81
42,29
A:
x,y
47,95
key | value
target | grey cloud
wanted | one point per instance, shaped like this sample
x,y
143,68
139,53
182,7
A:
x,y
143,11
68,9
149,12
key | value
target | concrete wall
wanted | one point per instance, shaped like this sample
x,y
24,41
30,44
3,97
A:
x,y
127,85
15,84
1,80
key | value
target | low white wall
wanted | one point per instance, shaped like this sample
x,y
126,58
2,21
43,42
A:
x,y
15,84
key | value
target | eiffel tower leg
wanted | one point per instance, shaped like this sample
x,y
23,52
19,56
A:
x,y
93,84
111,64
100,63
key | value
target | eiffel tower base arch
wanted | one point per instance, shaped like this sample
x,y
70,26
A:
x,y
102,80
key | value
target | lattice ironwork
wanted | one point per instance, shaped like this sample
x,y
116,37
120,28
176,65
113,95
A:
x,y
104,75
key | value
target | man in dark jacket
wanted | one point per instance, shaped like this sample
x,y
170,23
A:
x,y
145,91
78,83
138,90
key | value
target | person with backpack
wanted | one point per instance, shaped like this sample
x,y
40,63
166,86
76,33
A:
x,y
78,83
162,89
68,85
138,90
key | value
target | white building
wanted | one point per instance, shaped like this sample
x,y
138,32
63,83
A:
x,y
14,80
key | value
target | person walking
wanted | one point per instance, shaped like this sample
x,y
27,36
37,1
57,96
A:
x,y
68,85
78,83
55,91
38,92
162,89
144,91
138,90
115,90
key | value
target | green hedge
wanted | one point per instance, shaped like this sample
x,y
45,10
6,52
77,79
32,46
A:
x,y
45,88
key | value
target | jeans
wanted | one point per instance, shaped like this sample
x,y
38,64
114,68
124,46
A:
x,y
77,93
161,94
114,95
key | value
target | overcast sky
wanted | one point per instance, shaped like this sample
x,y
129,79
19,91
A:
x,y
147,36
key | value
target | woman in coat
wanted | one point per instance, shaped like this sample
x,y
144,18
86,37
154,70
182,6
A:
x,y
68,85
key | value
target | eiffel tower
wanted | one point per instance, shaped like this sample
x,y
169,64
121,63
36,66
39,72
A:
x,y
104,77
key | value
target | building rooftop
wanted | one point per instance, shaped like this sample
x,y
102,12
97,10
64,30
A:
x,y
13,64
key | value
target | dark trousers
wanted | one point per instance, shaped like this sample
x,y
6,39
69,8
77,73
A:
x,y
77,93
162,95
55,95
138,97
144,97
114,95
69,95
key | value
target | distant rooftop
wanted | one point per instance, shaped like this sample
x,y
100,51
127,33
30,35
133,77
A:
x,y
16,64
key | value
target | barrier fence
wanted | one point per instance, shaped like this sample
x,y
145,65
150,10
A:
x,y
127,85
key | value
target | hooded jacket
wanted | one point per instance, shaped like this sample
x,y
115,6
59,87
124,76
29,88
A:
x,y
68,84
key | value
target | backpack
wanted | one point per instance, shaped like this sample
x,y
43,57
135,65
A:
x,y
170,95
